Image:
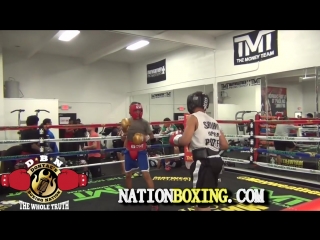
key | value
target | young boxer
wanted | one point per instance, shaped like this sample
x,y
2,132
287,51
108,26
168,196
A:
x,y
137,132
205,139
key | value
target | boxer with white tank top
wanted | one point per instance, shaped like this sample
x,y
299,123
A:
x,y
204,138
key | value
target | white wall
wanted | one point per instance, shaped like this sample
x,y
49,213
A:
x,y
157,109
29,105
297,50
308,97
186,67
244,98
224,113
97,92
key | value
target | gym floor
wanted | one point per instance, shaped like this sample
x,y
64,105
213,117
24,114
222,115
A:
x,y
102,195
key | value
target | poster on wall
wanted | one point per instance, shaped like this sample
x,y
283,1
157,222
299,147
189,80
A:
x,y
160,95
156,72
274,100
255,46
240,84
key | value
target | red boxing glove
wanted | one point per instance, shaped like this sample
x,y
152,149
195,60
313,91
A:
x,y
18,180
69,180
174,138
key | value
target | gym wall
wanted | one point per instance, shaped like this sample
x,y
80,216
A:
x,y
186,67
160,105
29,105
297,50
102,84
233,100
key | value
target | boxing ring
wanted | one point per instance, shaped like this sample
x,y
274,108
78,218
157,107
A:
x,y
249,164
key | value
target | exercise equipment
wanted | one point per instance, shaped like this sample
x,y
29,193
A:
x,y
19,118
41,110
239,116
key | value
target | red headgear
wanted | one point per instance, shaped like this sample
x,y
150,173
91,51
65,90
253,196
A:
x,y
136,114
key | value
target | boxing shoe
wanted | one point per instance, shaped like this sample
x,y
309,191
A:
x,y
69,180
18,180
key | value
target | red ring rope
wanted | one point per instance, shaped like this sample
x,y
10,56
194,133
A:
x,y
107,125
305,122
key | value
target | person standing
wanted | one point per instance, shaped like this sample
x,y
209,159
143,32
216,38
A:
x,y
94,157
205,139
46,125
137,132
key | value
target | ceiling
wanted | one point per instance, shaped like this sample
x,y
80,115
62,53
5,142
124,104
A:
x,y
94,45
292,77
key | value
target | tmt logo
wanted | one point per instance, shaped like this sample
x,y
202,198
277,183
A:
x,y
255,46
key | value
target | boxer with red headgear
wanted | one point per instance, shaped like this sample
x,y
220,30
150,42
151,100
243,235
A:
x,y
137,131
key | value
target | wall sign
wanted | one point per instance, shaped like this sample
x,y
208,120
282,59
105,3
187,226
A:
x,y
181,108
239,84
156,72
255,46
65,107
160,95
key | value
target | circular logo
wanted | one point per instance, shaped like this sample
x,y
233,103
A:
x,y
44,187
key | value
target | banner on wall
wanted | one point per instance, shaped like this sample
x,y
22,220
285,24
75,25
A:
x,y
255,46
156,72
274,100
160,95
239,84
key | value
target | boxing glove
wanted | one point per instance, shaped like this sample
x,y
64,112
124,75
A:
x,y
69,180
139,138
125,124
18,180
174,138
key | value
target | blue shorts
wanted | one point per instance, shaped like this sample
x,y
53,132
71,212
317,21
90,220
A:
x,y
141,163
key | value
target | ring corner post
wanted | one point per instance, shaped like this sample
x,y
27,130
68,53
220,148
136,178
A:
x,y
187,154
42,144
256,141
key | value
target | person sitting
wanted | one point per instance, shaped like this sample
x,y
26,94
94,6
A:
x,y
9,166
28,134
172,163
31,134
309,115
70,146
283,130
118,143
46,125
79,133
167,129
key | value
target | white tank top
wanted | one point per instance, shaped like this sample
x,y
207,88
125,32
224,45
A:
x,y
207,133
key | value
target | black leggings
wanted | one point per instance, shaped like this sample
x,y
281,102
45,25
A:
x,y
95,170
205,174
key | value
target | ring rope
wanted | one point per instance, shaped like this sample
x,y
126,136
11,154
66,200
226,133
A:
x,y
84,139
157,136
232,148
72,153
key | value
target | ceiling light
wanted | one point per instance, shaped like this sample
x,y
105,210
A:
x,y
301,79
138,45
66,36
